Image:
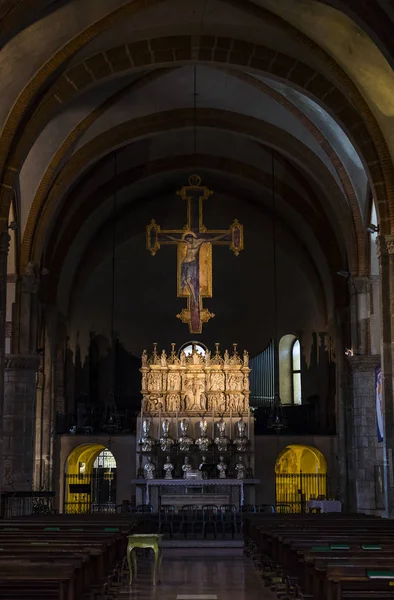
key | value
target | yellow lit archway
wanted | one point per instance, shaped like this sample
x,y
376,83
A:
x,y
81,466
300,474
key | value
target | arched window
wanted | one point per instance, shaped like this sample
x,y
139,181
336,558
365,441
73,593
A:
x,y
290,370
105,460
189,346
296,366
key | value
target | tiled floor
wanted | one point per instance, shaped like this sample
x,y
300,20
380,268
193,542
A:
x,y
209,574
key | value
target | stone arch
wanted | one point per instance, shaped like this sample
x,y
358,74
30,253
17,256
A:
x,y
301,473
63,151
154,124
263,59
78,471
297,458
57,249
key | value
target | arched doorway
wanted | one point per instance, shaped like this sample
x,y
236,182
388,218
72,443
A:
x,y
300,474
90,480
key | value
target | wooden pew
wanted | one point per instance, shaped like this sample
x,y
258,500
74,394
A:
x,y
330,554
63,557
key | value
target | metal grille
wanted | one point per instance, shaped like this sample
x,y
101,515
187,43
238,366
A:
x,y
292,490
91,493
18,504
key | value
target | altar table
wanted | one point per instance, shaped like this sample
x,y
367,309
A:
x,y
142,540
326,506
195,483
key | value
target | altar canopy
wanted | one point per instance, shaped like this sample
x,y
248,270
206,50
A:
x,y
196,383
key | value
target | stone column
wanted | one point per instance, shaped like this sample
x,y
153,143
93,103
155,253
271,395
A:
x,y
367,452
4,246
385,252
19,422
20,388
343,417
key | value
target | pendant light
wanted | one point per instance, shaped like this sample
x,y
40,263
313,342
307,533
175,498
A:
x,y
276,417
111,420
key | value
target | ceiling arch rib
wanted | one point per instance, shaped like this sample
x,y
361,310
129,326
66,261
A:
x,y
376,20
209,49
86,125
95,244
183,119
282,65
59,139
91,124
231,169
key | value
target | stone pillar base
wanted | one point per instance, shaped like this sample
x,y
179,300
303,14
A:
x,y
18,423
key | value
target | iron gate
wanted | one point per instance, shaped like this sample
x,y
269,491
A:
x,y
292,490
90,492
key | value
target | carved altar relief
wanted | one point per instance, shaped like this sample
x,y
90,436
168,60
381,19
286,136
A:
x,y
173,403
154,381
188,395
217,381
200,395
174,381
235,381
195,383
236,402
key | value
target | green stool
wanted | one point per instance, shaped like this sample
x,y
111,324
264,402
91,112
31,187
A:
x,y
144,540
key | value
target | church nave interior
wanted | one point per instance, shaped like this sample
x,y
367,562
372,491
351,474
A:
x,y
196,282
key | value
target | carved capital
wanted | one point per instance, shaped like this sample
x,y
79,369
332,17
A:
x,y
30,281
22,361
364,363
384,245
361,284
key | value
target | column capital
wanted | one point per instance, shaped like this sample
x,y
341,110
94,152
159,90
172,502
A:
x,y
384,245
364,363
22,361
30,280
361,283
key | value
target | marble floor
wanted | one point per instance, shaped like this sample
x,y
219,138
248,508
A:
x,y
193,574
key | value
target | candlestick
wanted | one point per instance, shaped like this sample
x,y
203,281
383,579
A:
x,y
249,423
231,423
158,437
213,420
176,424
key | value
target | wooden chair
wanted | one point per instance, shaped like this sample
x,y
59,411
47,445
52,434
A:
x,y
189,517
166,518
228,517
209,518
248,508
144,508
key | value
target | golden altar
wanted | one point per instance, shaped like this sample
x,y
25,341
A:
x,y
195,410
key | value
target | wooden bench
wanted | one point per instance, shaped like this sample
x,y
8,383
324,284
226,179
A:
x,y
60,557
330,556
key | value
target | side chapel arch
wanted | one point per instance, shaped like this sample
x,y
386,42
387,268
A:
x,y
90,479
300,473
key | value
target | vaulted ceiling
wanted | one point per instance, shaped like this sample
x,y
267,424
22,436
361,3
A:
x,y
131,97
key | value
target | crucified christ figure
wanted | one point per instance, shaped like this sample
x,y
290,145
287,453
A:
x,y
190,271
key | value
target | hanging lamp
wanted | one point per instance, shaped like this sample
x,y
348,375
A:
x,y
277,418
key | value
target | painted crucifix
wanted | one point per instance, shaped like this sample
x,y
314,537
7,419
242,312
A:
x,y
194,252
